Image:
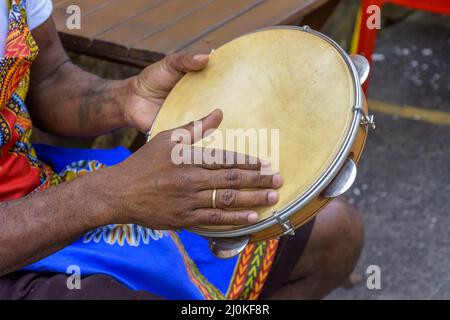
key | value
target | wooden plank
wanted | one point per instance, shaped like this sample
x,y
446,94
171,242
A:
x,y
187,30
111,15
59,13
318,18
270,13
143,31
147,24
86,7
112,55
75,38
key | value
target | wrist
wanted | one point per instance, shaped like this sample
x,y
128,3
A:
x,y
141,106
95,191
128,93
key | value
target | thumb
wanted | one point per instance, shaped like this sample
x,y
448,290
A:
x,y
197,129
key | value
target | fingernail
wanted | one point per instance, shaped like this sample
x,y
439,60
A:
x,y
277,181
200,57
265,164
266,168
272,197
252,217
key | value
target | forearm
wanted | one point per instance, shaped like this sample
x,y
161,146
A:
x,y
74,103
44,222
67,101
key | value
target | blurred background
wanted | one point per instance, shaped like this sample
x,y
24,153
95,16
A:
x,y
403,185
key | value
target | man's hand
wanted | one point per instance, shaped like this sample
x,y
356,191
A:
x,y
149,189
150,88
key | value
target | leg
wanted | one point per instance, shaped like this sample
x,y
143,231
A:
x,y
45,286
330,254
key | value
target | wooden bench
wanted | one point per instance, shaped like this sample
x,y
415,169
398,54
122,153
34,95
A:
x,y
139,32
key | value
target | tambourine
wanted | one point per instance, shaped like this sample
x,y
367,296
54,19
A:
x,y
294,80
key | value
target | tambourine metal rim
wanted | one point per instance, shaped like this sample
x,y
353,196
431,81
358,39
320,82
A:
x,y
326,177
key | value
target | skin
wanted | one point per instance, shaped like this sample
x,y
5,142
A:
x,y
67,101
83,105
330,255
146,189
172,197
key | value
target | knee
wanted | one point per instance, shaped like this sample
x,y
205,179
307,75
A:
x,y
334,246
339,237
331,253
341,222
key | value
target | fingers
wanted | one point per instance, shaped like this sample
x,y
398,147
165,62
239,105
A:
x,y
196,130
237,179
185,62
223,217
214,159
230,198
159,78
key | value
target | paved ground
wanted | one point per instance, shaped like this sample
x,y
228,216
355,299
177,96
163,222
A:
x,y
403,188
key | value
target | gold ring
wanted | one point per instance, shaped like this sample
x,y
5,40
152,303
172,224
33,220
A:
x,y
213,198
148,135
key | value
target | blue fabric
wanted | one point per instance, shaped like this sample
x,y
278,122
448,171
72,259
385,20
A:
x,y
144,259
58,157
217,271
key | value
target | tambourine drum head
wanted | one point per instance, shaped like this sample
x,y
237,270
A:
x,y
277,78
